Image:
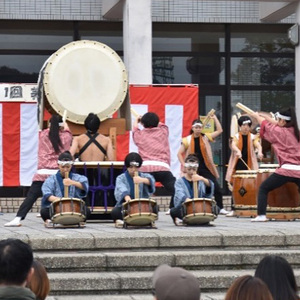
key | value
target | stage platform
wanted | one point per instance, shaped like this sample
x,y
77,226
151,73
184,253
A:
x,y
104,262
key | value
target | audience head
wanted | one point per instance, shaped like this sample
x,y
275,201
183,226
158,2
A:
x,y
175,284
92,123
15,262
248,288
39,282
150,119
277,273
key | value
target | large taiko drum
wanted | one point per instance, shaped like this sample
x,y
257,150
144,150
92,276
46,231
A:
x,y
139,212
68,211
82,77
199,211
244,188
285,196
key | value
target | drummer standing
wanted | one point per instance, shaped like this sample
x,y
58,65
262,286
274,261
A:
x,y
284,136
93,146
124,190
153,146
243,147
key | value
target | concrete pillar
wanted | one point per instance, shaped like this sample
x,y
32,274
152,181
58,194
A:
x,y
137,39
297,69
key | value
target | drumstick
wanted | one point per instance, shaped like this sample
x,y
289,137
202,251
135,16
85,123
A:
x,y
244,108
211,112
136,187
195,188
245,163
66,188
135,113
64,116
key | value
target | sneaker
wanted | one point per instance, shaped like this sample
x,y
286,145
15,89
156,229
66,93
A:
x,y
223,212
119,223
48,224
231,214
16,222
261,218
178,222
168,212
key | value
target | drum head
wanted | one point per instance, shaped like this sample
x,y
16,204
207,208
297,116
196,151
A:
x,y
83,77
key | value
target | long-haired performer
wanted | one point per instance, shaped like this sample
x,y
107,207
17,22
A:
x,y
52,142
283,134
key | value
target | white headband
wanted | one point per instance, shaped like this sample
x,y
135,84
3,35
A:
x,y
197,124
246,122
65,162
134,164
61,124
280,116
191,165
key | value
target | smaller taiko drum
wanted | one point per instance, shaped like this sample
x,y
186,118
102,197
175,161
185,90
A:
x,y
68,211
139,212
199,211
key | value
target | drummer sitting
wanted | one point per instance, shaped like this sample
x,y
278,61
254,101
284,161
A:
x,y
184,188
53,187
124,190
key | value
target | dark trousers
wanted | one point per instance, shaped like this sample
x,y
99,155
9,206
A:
x,y
271,183
176,212
35,192
218,191
167,179
117,214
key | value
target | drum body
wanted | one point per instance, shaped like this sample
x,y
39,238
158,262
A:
x,y
139,212
285,196
68,211
244,188
82,77
199,211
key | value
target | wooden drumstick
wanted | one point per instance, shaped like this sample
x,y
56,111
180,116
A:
x,y
135,113
206,120
244,108
64,116
136,187
245,163
66,188
195,188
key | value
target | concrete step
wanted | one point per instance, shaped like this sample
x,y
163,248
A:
x,y
95,283
148,260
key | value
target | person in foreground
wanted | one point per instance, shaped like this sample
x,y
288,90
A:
x,y
175,284
279,276
15,270
52,141
39,282
283,134
53,187
124,190
248,287
184,187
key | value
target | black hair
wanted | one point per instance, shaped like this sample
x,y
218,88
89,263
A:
x,y
92,123
277,273
65,156
242,119
15,261
290,112
194,122
54,132
133,156
150,119
192,158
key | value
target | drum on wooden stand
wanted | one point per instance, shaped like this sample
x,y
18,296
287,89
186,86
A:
x,y
68,211
199,211
284,201
139,212
244,193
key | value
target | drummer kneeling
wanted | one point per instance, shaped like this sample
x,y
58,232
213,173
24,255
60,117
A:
x,y
125,186
184,188
64,181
